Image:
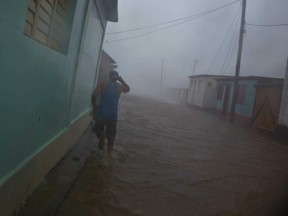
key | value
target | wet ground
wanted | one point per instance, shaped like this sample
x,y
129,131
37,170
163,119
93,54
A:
x,y
171,160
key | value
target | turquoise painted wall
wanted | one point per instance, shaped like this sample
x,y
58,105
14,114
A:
x,y
245,109
36,85
88,63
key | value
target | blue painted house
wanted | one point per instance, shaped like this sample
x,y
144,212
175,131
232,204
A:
x,y
49,60
253,92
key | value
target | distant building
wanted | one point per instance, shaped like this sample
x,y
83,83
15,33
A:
x,y
49,60
202,90
257,103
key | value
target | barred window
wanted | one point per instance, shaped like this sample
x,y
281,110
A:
x,y
46,22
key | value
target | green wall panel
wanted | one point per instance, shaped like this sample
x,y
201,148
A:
x,y
36,84
88,63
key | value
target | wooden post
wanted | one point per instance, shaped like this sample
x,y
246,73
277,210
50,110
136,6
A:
x,y
161,78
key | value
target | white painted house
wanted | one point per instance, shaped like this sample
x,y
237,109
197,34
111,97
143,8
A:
x,y
202,90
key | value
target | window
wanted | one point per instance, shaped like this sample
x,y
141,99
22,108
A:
x,y
46,22
241,94
220,92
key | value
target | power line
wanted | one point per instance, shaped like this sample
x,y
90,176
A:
x,y
176,20
230,58
151,32
263,25
151,26
231,48
229,29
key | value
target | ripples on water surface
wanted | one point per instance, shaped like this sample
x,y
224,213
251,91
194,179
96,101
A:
x,y
173,160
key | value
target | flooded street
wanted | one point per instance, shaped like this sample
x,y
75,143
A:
x,y
173,160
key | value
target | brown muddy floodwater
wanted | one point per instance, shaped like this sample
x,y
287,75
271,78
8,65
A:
x,y
171,160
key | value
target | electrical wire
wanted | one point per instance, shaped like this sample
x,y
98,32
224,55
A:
x,y
232,48
230,59
151,32
155,25
229,49
223,42
171,21
176,20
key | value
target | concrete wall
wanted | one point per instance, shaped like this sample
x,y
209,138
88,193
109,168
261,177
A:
x,y
197,92
45,95
210,93
202,92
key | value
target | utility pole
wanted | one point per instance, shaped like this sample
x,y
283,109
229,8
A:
x,y
193,90
194,67
161,78
236,79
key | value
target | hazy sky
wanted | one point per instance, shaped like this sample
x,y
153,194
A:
x,y
265,49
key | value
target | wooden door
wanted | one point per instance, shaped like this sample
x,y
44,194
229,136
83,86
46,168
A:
x,y
267,107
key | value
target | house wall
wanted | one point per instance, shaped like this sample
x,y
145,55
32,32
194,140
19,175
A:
x,y
196,92
89,57
210,93
202,92
45,96
245,109
220,102
283,117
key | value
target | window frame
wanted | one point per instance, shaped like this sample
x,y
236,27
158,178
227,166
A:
x,y
46,23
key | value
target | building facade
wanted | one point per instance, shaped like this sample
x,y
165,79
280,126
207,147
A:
x,y
254,103
202,91
49,60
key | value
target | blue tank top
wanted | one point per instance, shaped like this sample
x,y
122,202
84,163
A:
x,y
109,100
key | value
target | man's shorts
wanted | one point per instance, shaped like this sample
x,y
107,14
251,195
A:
x,y
105,126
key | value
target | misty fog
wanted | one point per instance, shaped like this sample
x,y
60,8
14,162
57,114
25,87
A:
x,y
139,59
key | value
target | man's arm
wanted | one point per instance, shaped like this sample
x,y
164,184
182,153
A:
x,y
124,86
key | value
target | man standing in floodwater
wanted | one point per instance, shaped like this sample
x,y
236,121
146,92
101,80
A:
x,y
107,111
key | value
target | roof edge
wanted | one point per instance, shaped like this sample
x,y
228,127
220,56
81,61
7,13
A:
x,y
111,10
